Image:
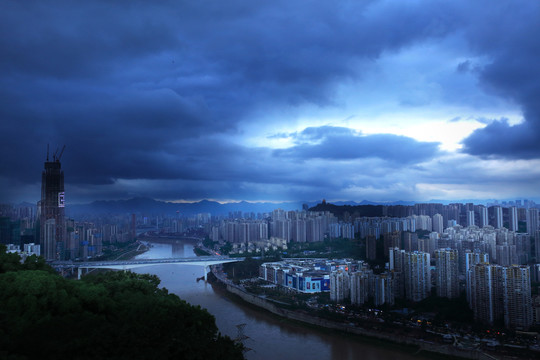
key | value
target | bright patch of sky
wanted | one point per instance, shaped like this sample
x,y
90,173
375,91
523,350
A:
x,y
428,92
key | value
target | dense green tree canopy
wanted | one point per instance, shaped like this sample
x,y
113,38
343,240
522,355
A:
x,y
113,315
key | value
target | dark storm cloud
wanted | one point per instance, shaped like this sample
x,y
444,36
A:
x,y
513,73
499,139
154,93
124,85
337,143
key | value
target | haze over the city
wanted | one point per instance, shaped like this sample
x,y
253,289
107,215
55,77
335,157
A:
x,y
276,101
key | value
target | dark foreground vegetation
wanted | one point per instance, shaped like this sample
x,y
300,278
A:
x,y
113,315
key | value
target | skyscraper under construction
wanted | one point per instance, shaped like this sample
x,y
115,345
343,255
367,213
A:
x,y
51,207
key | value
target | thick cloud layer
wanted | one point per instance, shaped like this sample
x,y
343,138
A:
x,y
513,72
162,99
336,143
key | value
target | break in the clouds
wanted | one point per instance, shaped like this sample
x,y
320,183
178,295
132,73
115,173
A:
x,y
177,100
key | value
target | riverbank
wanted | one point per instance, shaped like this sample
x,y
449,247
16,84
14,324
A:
x,y
429,347
130,254
125,252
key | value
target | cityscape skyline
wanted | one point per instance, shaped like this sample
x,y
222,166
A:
x,y
484,250
380,100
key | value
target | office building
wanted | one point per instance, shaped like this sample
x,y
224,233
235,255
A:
x,y
51,207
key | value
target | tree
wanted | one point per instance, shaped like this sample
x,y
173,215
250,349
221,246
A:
x,y
12,262
111,315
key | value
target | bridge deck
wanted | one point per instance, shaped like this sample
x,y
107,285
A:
x,y
209,260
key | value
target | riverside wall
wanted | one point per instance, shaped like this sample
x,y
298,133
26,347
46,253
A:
x,y
313,320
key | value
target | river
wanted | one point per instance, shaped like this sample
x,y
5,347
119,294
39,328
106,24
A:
x,y
269,337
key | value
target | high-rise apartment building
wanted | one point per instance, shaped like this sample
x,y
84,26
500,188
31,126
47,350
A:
x,y
498,217
397,266
298,231
501,292
513,218
471,259
417,276
438,223
339,285
532,229
532,221
360,287
410,241
506,254
483,216
470,218
518,311
383,286
51,207
371,247
523,248
486,294
447,280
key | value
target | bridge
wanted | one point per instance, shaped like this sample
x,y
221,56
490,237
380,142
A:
x,y
205,261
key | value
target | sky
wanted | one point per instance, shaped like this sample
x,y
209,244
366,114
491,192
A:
x,y
272,100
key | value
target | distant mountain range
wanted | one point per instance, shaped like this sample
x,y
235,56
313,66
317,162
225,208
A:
x,y
155,207
150,206
142,205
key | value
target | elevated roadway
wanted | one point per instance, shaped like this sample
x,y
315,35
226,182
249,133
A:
x,y
205,261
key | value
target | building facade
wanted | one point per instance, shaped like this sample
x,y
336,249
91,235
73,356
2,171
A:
x,y
51,207
447,277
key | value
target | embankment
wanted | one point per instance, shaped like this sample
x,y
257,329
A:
x,y
268,305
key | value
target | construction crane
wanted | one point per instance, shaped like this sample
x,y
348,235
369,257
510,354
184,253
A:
x,y
57,158
61,152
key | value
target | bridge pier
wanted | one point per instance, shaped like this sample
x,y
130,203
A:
x,y
205,272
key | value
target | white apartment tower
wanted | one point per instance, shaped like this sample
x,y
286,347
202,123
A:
x,y
513,218
498,213
438,225
470,218
483,212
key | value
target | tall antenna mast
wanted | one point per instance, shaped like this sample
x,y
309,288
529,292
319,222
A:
x,y
47,152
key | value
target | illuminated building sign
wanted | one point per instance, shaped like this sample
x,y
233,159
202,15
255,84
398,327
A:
x,y
61,201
